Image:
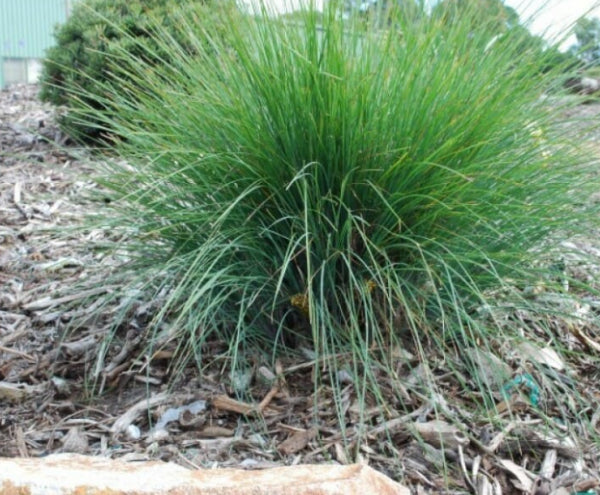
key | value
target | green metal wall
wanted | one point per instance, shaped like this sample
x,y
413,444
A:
x,y
27,26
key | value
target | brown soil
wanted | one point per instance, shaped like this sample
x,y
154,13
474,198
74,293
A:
x,y
46,372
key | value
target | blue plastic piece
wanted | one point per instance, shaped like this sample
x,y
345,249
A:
x,y
527,380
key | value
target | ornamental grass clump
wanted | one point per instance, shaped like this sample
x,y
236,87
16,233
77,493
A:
x,y
340,185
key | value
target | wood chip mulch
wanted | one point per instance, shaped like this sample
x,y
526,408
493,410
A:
x,y
432,441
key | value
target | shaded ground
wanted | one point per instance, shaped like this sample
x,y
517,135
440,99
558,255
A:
x,y
45,404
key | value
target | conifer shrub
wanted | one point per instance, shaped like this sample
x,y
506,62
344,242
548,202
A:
x,y
76,69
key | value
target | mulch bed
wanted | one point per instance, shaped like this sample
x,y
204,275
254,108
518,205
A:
x,y
197,420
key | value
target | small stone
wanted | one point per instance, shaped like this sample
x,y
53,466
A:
x,y
61,385
133,432
345,377
241,380
265,375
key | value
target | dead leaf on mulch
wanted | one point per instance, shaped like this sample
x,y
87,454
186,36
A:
x,y
297,441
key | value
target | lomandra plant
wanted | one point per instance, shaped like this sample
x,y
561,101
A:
x,y
353,186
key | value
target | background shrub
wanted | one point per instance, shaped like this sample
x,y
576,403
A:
x,y
76,69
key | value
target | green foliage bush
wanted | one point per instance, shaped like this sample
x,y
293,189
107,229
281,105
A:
x,y
380,184
77,67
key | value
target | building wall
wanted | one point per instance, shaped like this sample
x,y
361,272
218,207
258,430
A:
x,y
26,31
